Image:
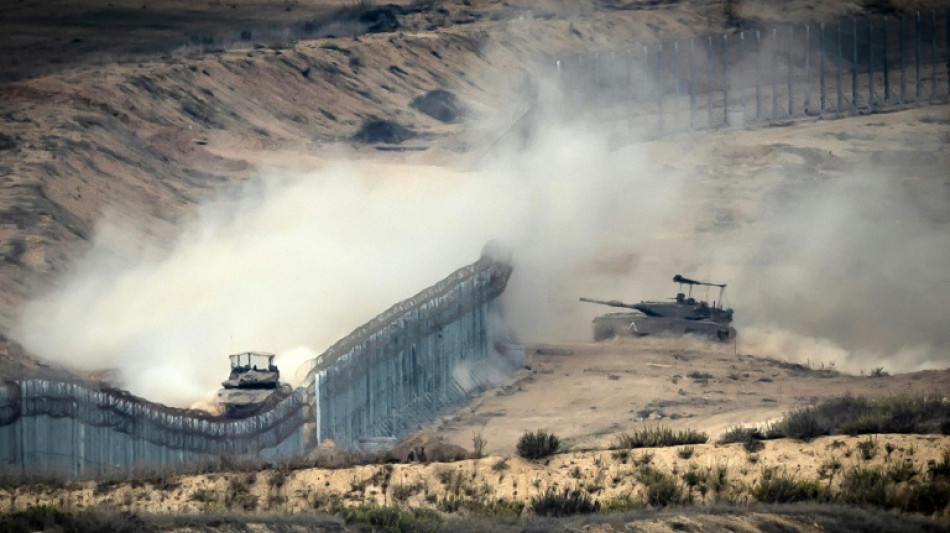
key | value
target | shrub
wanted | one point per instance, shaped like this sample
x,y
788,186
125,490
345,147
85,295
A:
x,y
661,489
864,485
938,469
774,487
858,416
751,438
802,424
620,503
204,495
478,444
902,471
46,518
868,449
686,452
739,434
482,506
237,495
402,492
928,498
538,444
563,503
391,519
659,436
644,459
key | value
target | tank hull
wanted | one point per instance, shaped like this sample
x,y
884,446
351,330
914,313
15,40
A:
x,y
238,403
639,325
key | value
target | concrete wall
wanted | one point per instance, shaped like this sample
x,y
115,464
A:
x,y
432,352
394,373
77,429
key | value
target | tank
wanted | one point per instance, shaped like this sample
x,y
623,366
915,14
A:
x,y
253,379
682,315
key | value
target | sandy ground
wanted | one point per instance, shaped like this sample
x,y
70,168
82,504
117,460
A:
x,y
587,393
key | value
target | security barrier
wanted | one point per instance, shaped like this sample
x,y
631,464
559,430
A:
x,y
397,371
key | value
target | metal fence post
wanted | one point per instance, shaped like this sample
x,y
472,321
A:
x,y
821,67
870,66
692,86
854,66
917,82
612,88
807,102
774,76
659,87
887,78
646,67
933,55
725,78
709,82
838,58
788,68
900,48
595,68
676,85
758,75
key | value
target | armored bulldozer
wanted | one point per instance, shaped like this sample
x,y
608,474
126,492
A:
x,y
253,379
684,315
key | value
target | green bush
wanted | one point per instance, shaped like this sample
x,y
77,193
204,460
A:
x,y
855,415
864,486
661,489
751,438
775,487
740,434
902,471
46,518
483,506
927,498
391,519
621,503
658,436
868,448
686,452
563,503
538,444
802,424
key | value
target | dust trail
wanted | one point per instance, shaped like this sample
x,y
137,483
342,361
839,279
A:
x,y
290,264
858,263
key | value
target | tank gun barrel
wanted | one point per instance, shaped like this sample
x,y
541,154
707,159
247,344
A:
x,y
611,303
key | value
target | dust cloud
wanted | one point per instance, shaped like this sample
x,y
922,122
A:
x,y
850,269
855,265
291,263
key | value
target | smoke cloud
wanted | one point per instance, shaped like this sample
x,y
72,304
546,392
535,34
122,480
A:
x,y
857,262
290,264
846,267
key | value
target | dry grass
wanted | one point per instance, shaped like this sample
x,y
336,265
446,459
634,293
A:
x,y
653,437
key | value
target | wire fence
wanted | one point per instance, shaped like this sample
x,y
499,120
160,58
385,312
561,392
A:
x,y
851,66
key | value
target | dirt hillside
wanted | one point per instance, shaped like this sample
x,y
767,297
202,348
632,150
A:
x,y
588,393
150,136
